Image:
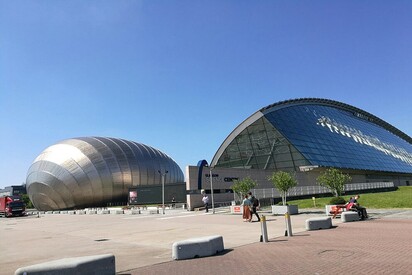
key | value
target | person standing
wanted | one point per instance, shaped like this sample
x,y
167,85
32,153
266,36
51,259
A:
x,y
255,205
247,216
205,201
173,202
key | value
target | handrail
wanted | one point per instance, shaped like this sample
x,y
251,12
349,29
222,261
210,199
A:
x,y
317,189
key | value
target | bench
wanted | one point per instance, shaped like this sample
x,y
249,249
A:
x,y
337,210
349,216
197,247
318,223
97,264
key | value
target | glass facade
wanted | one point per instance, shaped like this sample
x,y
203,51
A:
x,y
308,133
261,146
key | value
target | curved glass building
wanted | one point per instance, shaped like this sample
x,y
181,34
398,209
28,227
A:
x,y
305,134
94,171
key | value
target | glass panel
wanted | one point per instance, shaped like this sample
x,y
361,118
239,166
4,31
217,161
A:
x,y
332,137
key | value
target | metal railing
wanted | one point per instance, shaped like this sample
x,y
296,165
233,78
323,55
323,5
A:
x,y
314,190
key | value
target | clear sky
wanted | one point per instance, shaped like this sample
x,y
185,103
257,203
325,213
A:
x,y
181,75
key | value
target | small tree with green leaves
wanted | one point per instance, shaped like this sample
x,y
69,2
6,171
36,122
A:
x,y
334,179
27,201
283,181
243,186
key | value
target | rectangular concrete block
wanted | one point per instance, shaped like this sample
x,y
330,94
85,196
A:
x,y
102,212
97,264
318,223
349,216
153,210
117,211
197,247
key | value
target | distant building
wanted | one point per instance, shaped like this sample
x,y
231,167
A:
x,y
306,136
13,190
97,171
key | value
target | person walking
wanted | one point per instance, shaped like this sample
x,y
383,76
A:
x,y
255,205
205,201
247,216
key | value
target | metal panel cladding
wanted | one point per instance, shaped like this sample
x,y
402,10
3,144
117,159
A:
x,y
94,171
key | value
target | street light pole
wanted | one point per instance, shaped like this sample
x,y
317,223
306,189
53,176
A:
x,y
211,190
163,188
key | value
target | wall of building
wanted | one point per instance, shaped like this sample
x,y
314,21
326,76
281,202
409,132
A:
x,y
223,180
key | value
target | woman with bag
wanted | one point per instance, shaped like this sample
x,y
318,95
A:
x,y
247,204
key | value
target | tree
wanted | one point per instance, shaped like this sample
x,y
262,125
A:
x,y
283,181
243,186
27,201
334,179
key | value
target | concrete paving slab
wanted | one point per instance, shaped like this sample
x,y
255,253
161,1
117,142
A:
x,y
135,240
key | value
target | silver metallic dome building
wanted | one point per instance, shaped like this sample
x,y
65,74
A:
x,y
93,171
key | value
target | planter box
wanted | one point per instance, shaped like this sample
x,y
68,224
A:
x,y
282,209
236,209
328,208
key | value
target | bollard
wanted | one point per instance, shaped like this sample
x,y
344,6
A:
x,y
264,235
288,225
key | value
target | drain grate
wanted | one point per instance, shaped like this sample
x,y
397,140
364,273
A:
x,y
101,240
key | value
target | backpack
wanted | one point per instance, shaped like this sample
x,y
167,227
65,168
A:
x,y
255,202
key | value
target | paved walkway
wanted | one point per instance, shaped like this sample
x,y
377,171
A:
x,y
369,247
380,245
142,243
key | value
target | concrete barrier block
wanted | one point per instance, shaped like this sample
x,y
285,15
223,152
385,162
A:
x,y
349,216
97,264
318,223
153,210
103,212
197,247
117,211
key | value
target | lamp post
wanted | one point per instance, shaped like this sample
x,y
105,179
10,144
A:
x,y
211,189
163,188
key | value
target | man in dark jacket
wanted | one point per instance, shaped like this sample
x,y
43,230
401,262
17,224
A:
x,y
255,205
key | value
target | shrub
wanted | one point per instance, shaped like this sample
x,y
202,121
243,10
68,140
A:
x,y
337,200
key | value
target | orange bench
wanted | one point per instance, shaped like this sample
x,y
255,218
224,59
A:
x,y
337,210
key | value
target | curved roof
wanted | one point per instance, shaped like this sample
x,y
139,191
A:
x,y
343,106
93,171
315,132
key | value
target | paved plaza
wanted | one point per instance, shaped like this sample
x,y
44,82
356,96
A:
x,y
142,243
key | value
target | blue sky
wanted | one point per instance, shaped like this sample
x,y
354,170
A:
x,y
181,75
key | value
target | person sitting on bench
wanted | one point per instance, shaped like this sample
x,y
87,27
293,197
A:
x,y
356,207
